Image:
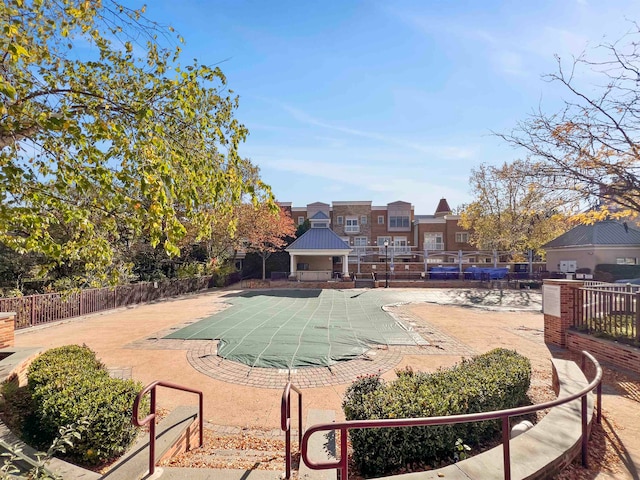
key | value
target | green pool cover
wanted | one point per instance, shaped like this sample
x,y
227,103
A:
x,y
299,328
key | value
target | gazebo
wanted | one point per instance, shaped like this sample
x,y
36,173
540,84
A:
x,y
311,255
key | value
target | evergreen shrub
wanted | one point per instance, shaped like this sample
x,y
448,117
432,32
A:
x,y
70,385
611,272
496,380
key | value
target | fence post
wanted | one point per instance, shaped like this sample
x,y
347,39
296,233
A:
x,y
33,310
562,306
81,306
637,305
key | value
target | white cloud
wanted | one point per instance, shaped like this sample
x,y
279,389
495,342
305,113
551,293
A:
x,y
448,152
379,183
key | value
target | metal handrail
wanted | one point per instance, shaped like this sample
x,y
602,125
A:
x,y
344,427
285,422
150,419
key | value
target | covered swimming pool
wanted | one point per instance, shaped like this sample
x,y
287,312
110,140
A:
x,y
300,328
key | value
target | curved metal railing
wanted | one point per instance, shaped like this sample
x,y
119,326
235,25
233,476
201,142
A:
x,y
504,415
151,418
285,422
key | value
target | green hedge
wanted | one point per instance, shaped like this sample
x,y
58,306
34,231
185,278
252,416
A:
x,y
496,380
605,272
68,385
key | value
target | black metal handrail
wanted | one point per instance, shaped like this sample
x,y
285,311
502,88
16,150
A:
x,y
151,418
285,422
504,415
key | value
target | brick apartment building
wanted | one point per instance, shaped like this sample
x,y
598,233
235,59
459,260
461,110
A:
x,y
362,232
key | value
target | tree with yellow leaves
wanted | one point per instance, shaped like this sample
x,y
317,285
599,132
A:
x,y
105,134
508,213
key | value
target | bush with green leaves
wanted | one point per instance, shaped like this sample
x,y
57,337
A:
x,y
496,380
611,272
69,384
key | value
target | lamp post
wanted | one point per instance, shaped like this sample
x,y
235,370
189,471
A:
x,y
386,264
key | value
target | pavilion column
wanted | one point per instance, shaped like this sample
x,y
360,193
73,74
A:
x,y
345,265
292,265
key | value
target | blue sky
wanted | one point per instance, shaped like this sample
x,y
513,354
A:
x,y
385,101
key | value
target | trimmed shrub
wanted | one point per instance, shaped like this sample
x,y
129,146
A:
x,y
496,380
70,385
605,272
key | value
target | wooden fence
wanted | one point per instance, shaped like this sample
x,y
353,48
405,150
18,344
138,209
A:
x,y
40,309
609,309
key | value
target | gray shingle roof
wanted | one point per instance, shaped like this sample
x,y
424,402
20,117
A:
x,y
607,232
319,239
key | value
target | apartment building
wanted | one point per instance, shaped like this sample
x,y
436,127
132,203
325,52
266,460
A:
x,y
374,233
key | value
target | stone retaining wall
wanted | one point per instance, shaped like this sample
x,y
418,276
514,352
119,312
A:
x,y
616,353
187,441
7,329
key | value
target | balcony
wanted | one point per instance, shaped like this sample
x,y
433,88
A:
x,y
361,251
392,250
395,250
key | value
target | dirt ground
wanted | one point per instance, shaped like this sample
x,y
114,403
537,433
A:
x,y
127,341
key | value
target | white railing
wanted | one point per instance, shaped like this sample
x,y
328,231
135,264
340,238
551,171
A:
x,y
394,250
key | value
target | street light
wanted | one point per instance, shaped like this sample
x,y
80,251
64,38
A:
x,y
386,265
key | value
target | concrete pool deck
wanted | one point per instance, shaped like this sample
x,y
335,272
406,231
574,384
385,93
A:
x,y
129,341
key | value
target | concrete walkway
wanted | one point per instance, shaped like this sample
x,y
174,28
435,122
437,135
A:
x,y
129,341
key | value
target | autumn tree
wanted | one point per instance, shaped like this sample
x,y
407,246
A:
x,y
267,232
508,213
105,133
588,151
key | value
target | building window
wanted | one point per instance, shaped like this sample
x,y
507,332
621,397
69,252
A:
x,y
300,220
380,241
363,220
626,261
359,241
340,220
399,221
352,225
433,241
462,237
380,219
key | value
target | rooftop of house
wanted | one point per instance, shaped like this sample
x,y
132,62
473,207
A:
x,y
443,208
319,238
607,232
320,216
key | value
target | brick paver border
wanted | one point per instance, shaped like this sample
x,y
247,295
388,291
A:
x,y
203,356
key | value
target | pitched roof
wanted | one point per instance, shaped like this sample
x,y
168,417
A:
x,y
443,206
319,239
320,216
607,232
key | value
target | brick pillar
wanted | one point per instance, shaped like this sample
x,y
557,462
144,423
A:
x,y
559,309
7,329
